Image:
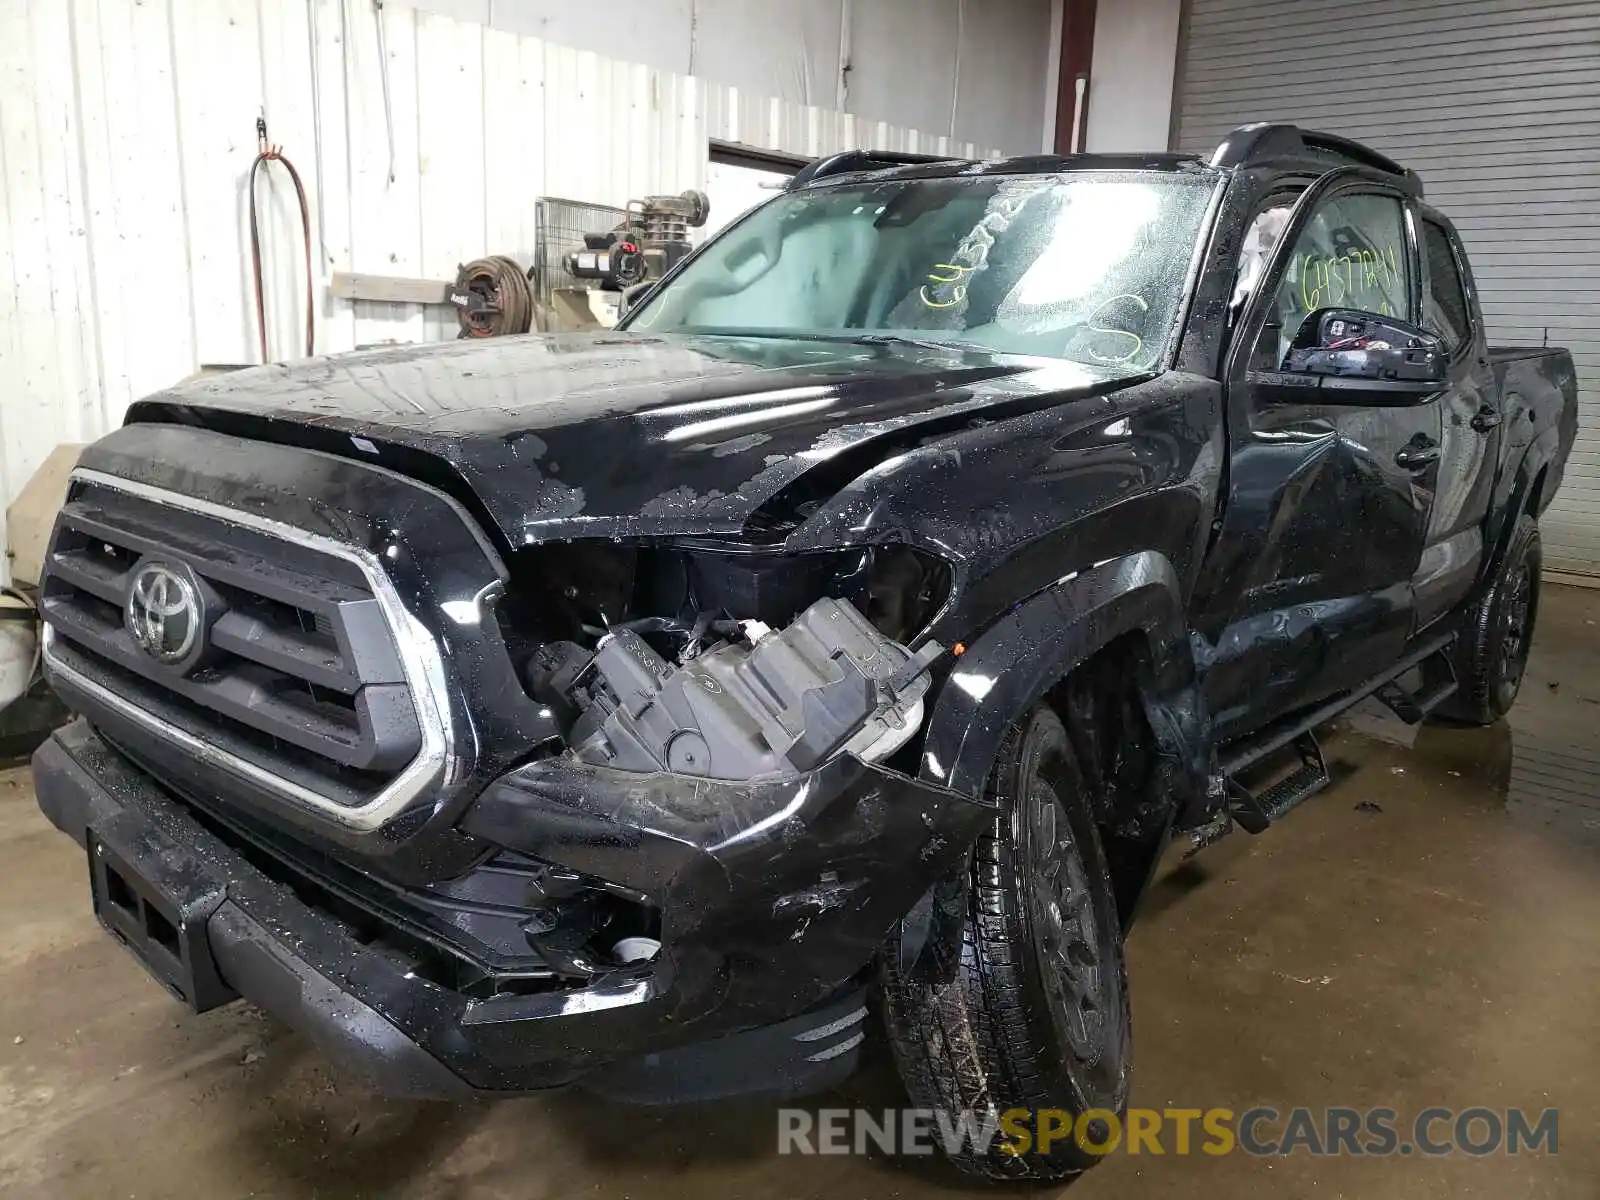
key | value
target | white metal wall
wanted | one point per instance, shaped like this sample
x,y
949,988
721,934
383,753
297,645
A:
x,y
1130,75
127,129
974,69
1495,103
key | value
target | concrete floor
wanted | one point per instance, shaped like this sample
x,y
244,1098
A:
x,y
1444,950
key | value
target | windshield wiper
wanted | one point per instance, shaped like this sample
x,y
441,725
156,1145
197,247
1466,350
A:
x,y
900,339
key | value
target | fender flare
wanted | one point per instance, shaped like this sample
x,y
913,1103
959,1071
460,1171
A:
x,y
1041,640
1537,456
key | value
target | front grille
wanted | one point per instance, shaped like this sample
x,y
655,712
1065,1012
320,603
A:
x,y
296,680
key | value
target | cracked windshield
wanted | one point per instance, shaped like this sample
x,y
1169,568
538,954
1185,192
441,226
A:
x,y
1087,267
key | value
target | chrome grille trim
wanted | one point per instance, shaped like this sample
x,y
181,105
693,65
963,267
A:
x,y
436,763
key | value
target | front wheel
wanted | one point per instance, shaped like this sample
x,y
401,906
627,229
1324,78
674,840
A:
x,y
1491,653
1018,998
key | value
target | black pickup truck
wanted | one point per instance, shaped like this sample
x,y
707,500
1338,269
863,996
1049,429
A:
x,y
858,622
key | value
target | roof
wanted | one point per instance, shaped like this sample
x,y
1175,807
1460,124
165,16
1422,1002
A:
x,y
1259,145
894,165
1267,144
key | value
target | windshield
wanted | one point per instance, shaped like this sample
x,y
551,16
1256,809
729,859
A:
x,y
1089,266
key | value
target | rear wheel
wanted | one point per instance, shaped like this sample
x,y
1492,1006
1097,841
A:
x,y
1491,654
1018,997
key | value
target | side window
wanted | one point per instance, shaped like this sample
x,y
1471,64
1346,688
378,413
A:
x,y
1352,254
1444,302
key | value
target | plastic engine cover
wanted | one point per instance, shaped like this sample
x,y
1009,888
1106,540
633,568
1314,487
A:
x,y
827,682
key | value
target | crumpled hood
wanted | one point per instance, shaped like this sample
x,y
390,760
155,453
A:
x,y
619,434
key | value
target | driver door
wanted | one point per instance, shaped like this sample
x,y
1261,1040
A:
x,y
1308,588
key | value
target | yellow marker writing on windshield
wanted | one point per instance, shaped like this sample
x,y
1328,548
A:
x,y
944,274
1138,342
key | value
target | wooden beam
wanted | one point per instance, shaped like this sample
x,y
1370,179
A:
x,y
390,289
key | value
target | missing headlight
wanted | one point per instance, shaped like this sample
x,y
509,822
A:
x,y
769,702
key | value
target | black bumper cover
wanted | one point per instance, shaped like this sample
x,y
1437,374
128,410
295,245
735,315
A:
x,y
774,896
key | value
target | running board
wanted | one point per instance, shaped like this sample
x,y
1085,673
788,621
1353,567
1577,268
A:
x,y
1255,811
1275,737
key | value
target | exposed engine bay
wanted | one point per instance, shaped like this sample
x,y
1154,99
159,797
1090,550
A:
x,y
728,663
755,704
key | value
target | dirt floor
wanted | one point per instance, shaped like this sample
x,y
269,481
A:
x,y
1426,932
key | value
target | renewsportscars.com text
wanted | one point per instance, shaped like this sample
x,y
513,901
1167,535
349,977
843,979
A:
x,y
1261,1131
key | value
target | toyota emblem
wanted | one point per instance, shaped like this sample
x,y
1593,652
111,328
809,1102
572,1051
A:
x,y
163,612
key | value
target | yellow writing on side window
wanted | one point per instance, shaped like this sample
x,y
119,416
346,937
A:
x,y
1363,279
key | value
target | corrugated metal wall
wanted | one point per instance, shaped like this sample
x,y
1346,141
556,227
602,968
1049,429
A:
x,y
127,130
1495,103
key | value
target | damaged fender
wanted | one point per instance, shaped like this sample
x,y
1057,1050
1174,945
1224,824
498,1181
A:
x,y
1040,641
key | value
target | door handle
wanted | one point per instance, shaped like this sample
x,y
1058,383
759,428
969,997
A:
x,y
1421,451
1485,419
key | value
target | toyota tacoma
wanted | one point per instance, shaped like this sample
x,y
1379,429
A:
x,y
848,632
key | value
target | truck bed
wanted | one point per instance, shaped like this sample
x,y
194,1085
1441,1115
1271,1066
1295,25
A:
x,y
1539,386
1506,354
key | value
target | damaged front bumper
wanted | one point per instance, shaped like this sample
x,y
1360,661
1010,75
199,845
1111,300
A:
x,y
774,897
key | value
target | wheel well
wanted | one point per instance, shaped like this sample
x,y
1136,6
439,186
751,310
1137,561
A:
x,y
1102,705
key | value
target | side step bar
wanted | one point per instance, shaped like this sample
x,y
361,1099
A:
x,y
1275,737
1439,684
1256,811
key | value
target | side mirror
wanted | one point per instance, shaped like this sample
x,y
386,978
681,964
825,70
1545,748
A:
x,y
1343,356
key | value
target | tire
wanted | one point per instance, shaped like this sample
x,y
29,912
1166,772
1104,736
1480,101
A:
x,y
1491,654
988,1016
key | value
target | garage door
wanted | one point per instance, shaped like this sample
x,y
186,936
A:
x,y
1497,105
